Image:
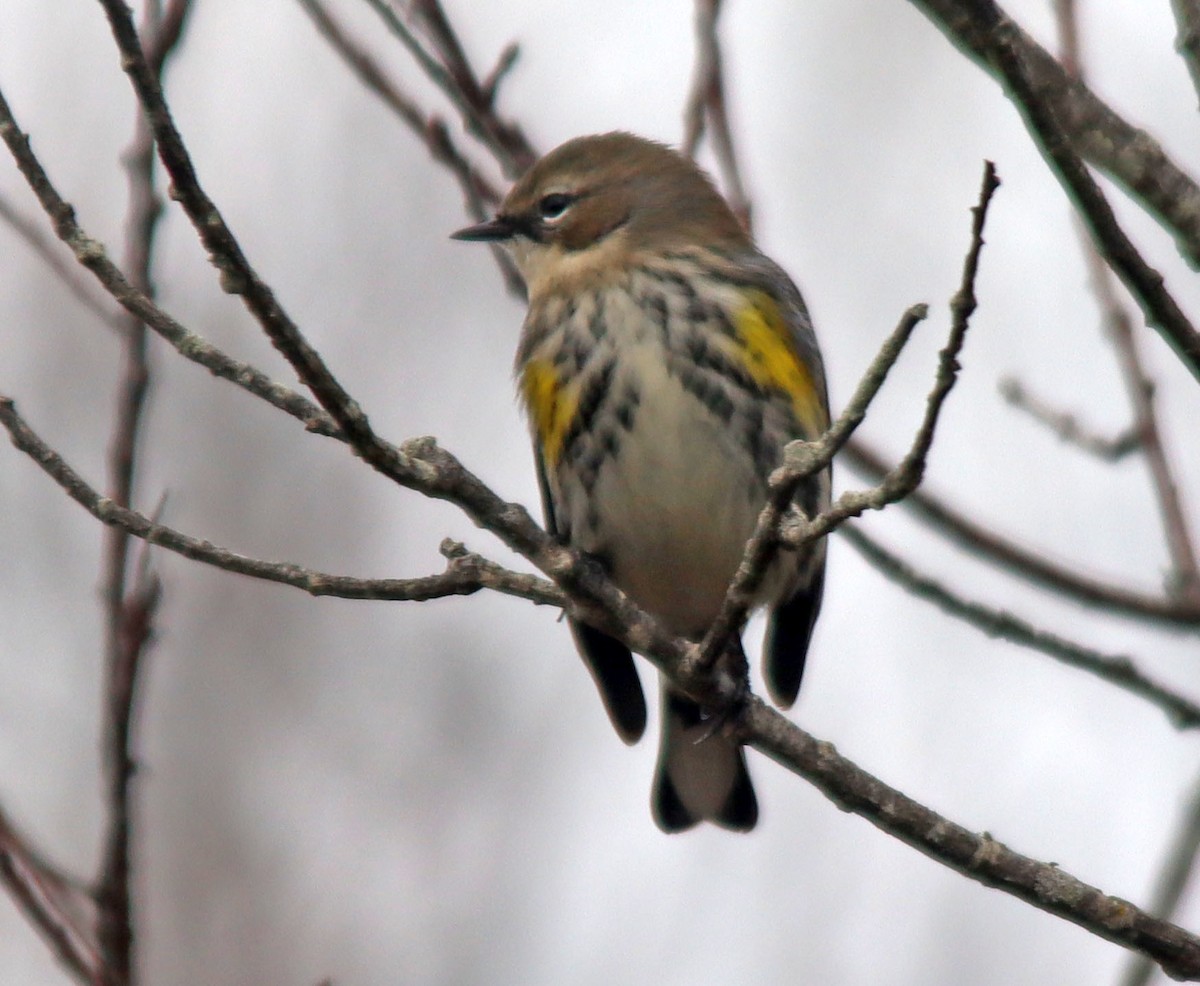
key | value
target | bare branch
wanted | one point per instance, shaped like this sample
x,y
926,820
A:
x,y
1180,863
504,64
129,610
1187,41
1129,156
1004,48
1066,426
40,896
450,71
466,572
1184,580
1116,669
979,857
70,276
478,191
707,109
974,537
804,459
809,460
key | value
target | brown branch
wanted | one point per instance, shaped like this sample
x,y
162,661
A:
x,y
43,247
92,256
1184,580
977,539
1004,48
1116,669
130,610
804,459
466,572
43,899
1066,426
979,857
480,97
1172,881
478,191
707,109
421,465
1128,155
1020,561
1187,41
450,71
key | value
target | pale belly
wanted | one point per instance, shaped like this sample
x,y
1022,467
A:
x,y
671,512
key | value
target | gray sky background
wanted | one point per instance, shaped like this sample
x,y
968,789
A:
x,y
431,793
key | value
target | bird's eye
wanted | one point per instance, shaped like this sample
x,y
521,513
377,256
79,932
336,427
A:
x,y
552,206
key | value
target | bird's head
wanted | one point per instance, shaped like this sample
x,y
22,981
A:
x,y
593,205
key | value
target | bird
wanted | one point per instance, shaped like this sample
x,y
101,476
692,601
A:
x,y
663,364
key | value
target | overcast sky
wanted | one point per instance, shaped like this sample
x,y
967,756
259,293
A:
x,y
403,793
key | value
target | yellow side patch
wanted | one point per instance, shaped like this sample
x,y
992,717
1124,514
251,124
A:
x,y
773,362
552,406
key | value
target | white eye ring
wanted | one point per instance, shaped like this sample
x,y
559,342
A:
x,y
552,207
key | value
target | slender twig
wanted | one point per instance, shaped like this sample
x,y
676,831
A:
x,y
807,459
130,609
1004,47
1187,40
44,248
1129,156
707,110
978,856
1172,881
1183,582
1066,426
33,889
452,74
92,256
480,97
419,464
1184,579
478,191
1116,669
466,572
972,536
490,85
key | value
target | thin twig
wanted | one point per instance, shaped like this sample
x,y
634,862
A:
x,y
1004,46
978,856
804,459
92,256
33,890
1066,426
807,460
707,110
1184,579
479,193
43,247
452,74
1172,881
1187,40
1116,669
1129,156
420,464
480,97
130,610
972,536
466,572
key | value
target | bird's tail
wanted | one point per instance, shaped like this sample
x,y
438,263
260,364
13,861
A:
x,y
701,774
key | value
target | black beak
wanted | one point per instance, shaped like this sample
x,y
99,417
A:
x,y
500,228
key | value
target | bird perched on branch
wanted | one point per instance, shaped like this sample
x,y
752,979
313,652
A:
x,y
664,363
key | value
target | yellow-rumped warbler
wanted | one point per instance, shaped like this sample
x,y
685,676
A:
x,y
664,363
